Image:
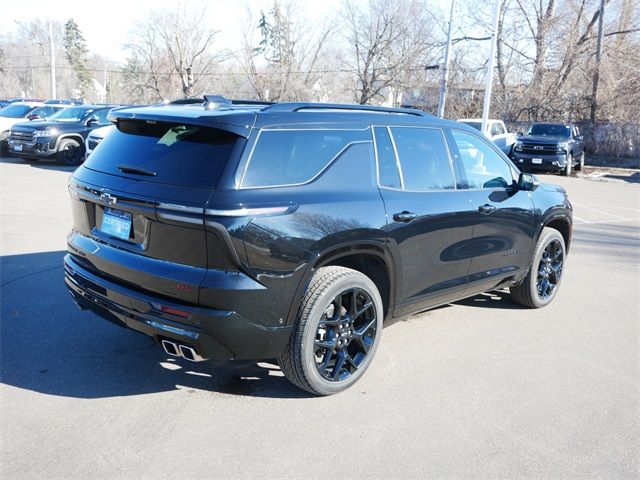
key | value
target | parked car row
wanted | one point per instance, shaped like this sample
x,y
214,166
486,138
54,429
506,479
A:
x,y
55,129
548,147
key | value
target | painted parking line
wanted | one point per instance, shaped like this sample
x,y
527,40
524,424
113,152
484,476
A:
x,y
612,221
595,210
635,209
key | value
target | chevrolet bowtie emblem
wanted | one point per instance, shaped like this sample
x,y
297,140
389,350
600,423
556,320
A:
x,y
108,199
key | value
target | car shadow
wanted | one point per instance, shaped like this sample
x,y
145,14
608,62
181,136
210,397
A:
x,y
42,164
49,346
633,178
496,299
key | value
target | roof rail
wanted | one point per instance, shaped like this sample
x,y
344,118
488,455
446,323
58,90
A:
x,y
299,106
185,101
251,102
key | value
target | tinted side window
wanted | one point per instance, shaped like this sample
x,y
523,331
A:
x,y
102,116
387,166
288,157
482,165
423,158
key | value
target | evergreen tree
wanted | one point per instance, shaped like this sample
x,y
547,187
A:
x,y
75,47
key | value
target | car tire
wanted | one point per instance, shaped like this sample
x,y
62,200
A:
x,y
69,153
329,350
547,264
580,164
567,169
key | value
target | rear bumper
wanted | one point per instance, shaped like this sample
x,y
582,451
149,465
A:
x,y
214,334
549,163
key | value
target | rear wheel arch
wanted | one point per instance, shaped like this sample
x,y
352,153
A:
x,y
372,260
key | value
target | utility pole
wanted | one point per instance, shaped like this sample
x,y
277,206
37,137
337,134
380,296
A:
x,y
490,62
596,74
442,98
52,53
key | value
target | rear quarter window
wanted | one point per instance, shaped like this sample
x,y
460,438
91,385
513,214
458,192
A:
x,y
291,157
177,154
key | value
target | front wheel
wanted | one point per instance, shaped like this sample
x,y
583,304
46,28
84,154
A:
x,y
541,284
567,169
580,165
69,153
337,332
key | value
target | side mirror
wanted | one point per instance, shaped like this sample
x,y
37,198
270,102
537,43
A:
x,y
91,121
527,182
34,117
519,134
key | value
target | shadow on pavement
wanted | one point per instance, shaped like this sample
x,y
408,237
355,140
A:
x,y
42,164
633,178
497,299
49,346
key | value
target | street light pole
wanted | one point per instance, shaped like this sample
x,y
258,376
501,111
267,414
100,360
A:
x,y
596,74
445,68
490,62
52,53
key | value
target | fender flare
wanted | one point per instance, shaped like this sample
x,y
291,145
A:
x,y
72,136
341,250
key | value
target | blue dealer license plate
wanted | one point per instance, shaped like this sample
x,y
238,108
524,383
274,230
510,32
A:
x,y
116,223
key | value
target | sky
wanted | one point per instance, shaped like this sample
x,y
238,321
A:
x,y
106,23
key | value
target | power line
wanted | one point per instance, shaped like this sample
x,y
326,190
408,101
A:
x,y
221,74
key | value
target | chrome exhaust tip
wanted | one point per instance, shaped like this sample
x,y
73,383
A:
x,y
190,354
76,303
171,348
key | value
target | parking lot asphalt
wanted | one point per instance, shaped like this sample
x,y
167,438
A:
x,y
478,389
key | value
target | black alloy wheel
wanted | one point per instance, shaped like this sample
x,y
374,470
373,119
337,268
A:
x,y
345,334
542,281
550,269
337,333
69,153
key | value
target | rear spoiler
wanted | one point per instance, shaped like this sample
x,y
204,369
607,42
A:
x,y
237,123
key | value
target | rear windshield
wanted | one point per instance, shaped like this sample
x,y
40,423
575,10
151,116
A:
x,y
162,152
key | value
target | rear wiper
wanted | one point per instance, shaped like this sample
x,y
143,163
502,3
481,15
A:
x,y
131,169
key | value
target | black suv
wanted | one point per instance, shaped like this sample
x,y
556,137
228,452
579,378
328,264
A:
x,y
61,137
292,231
550,147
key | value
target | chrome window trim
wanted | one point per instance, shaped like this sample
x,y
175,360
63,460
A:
x,y
322,170
395,152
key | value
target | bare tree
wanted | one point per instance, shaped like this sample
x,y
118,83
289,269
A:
x,y
388,42
173,51
282,54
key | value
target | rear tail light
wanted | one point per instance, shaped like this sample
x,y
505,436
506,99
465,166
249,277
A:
x,y
170,310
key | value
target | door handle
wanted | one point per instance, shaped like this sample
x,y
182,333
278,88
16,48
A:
x,y
486,209
404,216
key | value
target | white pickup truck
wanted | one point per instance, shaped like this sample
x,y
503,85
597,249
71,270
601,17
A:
x,y
496,131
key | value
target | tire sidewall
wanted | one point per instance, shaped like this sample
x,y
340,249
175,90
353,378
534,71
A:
x,y
62,157
308,338
567,168
547,237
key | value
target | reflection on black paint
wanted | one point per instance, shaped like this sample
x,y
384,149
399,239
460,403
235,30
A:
x,y
476,247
